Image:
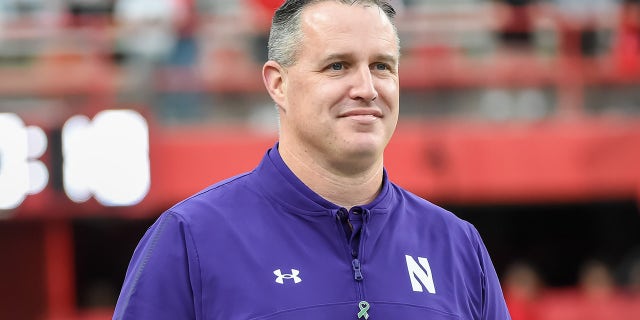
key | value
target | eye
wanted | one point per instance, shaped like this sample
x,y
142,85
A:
x,y
336,66
382,66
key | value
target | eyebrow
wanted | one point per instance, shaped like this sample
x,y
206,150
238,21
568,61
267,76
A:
x,y
336,57
387,58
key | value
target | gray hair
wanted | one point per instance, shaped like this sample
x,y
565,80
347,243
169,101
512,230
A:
x,y
286,35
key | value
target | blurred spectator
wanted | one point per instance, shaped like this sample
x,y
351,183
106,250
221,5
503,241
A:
x,y
261,13
38,17
178,80
595,280
218,7
522,287
595,297
90,12
628,38
586,25
32,10
146,35
185,25
516,30
600,298
42,14
146,28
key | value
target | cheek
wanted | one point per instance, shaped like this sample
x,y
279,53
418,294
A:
x,y
319,98
389,92
300,90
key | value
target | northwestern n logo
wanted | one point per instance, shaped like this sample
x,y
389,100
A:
x,y
420,274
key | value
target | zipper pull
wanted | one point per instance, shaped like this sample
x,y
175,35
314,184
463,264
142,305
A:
x,y
357,273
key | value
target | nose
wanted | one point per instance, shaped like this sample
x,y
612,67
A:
x,y
363,87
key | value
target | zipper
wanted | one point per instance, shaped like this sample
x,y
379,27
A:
x,y
357,272
353,233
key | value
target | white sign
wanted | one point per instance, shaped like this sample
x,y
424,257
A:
x,y
21,174
107,158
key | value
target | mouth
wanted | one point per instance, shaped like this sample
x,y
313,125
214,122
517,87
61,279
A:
x,y
361,113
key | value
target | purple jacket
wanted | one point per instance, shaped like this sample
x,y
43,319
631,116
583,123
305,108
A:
x,y
262,245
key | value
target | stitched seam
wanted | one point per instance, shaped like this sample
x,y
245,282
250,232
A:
x,y
445,313
145,259
269,316
197,257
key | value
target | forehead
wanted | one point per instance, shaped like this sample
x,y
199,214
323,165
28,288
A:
x,y
337,26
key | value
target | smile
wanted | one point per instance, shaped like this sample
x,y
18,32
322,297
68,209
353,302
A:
x,y
362,113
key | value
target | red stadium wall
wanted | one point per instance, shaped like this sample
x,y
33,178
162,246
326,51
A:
x,y
461,162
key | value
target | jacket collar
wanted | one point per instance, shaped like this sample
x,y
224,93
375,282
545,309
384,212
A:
x,y
281,184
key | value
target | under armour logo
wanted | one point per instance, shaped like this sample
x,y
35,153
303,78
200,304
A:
x,y
293,275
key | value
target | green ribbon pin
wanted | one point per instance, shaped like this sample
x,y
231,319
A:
x,y
364,307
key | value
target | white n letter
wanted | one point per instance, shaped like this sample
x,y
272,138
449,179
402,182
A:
x,y
420,276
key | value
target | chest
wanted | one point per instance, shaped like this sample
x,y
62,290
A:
x,y
309,271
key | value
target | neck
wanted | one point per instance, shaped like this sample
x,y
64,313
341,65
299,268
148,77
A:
x,y
341,187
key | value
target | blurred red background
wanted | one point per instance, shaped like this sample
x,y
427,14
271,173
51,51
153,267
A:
x,y
522,117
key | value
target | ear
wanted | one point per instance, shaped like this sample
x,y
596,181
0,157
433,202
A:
x,y
274,77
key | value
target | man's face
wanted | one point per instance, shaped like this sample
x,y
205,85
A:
x,y
342,93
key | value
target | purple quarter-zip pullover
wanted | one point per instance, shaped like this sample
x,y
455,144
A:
x,y
262,245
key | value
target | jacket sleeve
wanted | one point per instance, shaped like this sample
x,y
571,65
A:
x,y
493,306
163,277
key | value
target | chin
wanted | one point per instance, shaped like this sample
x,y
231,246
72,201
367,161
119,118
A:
x,y
364,148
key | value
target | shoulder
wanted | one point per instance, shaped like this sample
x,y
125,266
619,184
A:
x,y
218,198
425,213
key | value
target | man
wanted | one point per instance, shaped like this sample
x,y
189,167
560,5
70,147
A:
x,y
317,231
